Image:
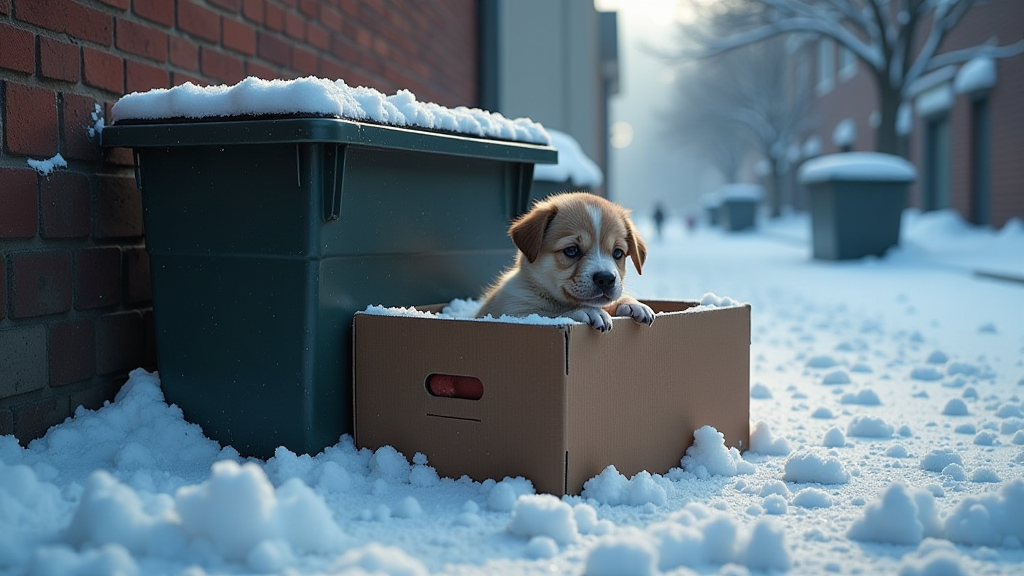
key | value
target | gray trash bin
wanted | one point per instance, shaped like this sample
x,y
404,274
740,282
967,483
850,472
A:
x,y
856,200
738,210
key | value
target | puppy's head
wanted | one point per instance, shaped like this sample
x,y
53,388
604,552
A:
x,y
575,246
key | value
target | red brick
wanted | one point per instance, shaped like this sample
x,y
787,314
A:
x,y
274,17
184,53
72,352
140,77
122,4
318,37
69,17
17,49
141,40
159,11
304,60
138,286
120,343
18,203
273,49
103,70
309,7
294,26
229,5
97,395
65,210
329,68
178,78
118,208
75,124
40,283
5,8
198,21
253,10
260,71
330,18
239,36
30,119
59,60
98,274
32,420
22,360
220,66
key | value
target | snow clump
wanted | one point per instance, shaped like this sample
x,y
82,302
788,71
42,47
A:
x,y
900,516
612,488
544,515
763,442
939,458
807,467
989,519
869,427
708,456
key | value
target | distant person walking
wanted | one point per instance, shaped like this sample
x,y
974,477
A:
x,y
659,219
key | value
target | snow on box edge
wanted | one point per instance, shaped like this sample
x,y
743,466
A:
x,y
857,167
311,95
465,309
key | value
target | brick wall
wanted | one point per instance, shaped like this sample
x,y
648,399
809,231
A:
x,y
75,304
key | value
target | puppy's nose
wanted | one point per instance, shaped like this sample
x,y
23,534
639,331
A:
x,y
604,280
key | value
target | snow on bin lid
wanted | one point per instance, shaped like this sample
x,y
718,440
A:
x,y
857,166
741,191
977,75
573,165
310,95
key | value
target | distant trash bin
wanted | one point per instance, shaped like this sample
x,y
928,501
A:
x,y
856,201
574,171
711,203
266,235
738,210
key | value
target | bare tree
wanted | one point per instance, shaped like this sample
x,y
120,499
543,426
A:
x,y
749,98
898,40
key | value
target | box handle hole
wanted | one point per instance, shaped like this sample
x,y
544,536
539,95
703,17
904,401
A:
x,y
452,386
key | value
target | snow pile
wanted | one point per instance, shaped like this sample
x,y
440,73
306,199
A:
x,y
977,75
845,133
573,166
990,519
708,456
318,96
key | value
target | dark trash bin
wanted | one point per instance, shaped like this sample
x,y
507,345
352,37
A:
x,y
856,202
738,208
711,203
266,235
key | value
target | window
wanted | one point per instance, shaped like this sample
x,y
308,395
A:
x,y
936,163
847,64
826,65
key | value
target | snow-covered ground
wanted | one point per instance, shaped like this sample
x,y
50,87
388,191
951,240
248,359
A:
x,y
887,437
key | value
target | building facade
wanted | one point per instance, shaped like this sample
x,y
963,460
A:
x,y
963,127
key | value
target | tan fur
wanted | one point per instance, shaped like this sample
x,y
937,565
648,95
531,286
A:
x,y
545,280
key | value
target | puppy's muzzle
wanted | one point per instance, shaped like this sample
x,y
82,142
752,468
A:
x,y
605,281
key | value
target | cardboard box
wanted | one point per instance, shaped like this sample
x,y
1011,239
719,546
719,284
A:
x,y
559,402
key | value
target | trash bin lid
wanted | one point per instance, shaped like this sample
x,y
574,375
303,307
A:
x,y
291,130
857,167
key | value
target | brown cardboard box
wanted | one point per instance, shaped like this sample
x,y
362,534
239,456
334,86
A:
x,y
560,402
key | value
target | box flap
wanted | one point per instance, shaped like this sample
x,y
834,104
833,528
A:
x,y
637,393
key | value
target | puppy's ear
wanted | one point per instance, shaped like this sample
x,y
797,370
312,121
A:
x,y
637,246
528,231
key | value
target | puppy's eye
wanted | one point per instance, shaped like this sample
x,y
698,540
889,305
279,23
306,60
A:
x,y
572,251
618,254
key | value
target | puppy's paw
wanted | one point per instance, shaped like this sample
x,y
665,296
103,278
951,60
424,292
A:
x,y
596,317
638,311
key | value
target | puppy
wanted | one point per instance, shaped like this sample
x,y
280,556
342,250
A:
x,y
572,257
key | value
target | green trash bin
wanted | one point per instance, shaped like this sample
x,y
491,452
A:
x,y
266,235
856,202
